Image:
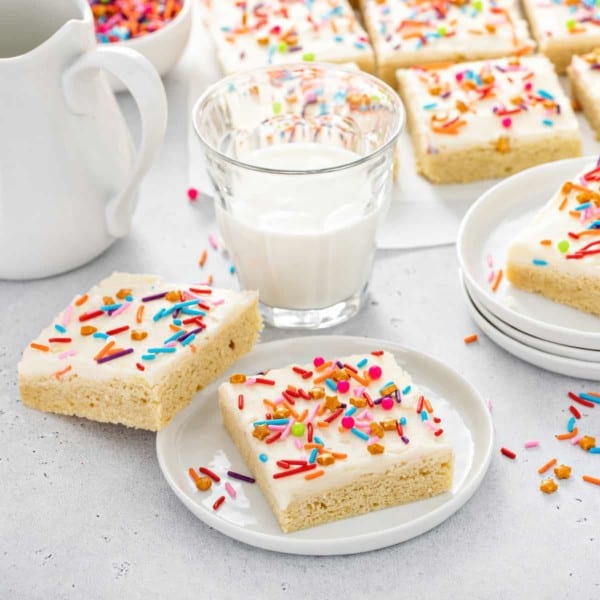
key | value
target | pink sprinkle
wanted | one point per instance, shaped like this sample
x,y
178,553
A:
x,y
375,372
279,401
287,429
121,309
312,413
298,444
531,444
575,440
185,295
489,405
250,380
67,354
276,427
343,387
347,422
528,86
368,414
192,193
359,391
491,276
362,415
230,490
171,344
218,302
387,404
212,240
430,426
507,122
318,361
490,261
67,316
372,440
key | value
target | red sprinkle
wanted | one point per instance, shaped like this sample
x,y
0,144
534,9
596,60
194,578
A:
x,y
64,340
264,381
192,193
283,464
575,412
309,434
241,401
420,404
274,437
377,352
368,398
295,462
288,397
90,315
438,432
210,474
579,400
140,366
303,394
399,429
218,502
118,330
508,453
334,415
289,472
200,291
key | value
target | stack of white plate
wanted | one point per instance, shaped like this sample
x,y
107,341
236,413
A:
x,y
552,336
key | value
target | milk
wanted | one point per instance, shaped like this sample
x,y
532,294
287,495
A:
x,y
304,241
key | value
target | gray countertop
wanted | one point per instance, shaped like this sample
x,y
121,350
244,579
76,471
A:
x,y
86,512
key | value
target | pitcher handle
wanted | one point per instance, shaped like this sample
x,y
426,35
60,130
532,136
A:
x,y
144,84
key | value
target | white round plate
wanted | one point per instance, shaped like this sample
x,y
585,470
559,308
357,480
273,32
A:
x,y
196,437
530,340
486,231
545,360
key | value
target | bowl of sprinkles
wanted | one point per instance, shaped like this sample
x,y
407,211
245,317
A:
x,y
158,29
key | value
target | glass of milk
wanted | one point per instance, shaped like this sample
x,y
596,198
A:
x,y
301,158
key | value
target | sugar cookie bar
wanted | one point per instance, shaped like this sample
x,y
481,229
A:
x,y
584,77
487,119
134,349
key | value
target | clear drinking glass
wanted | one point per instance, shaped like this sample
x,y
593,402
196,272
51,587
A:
x,y
301,157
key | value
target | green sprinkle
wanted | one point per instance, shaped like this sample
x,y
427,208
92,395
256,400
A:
x,y
282,47
563,246
441,31
276,108
478,5
308,57
298,429
571,24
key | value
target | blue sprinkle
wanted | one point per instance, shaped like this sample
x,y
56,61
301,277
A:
x,y
148,356
263,458
272,422
339,38
594,450
403,421
590,398
583,206
595,225
60,328
424,416
193,311
100,335
350,411
361,363
110,307
538,262
161,350
359,433
331,384
318,440
406,390
571,424
232,269
188,340
175,336
545,94
547,122
129,298
176,321
388,384
159,315
313,456
359,45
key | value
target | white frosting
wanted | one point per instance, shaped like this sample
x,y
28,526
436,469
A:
x,y
588,74
484,124
415,31
554,225
422,441
564,21
224,306
278,32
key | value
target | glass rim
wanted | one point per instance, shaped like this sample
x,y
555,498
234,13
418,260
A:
x,y
225,81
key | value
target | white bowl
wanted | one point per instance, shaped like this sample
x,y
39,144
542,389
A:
x,y
163,47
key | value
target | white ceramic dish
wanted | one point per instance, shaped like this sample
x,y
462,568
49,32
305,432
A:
x,y
486,231
545,360
196,437
530,340
164,47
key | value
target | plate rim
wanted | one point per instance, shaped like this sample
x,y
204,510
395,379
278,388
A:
x,y
367,541
589,340
534,353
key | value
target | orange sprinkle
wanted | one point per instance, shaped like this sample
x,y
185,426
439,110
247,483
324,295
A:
x,y
315,474
567,436
174,327
321,409
81,300
302,415
590,479
311,446
323,424
434,66
546,242
471,338
594,394
59,374
202,258
270,404
104,350
192,347
39,347
357,378
339,455
321,378
291,409
547,466
324,366
428,406
497,280
563,204
209,280
139,315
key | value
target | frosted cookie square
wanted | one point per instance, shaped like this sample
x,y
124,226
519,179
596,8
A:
x,y
134,349
274,32
584,77
563,28
337,438
405,33
487,119
558,254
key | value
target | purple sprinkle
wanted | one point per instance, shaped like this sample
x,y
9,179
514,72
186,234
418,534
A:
x,y
241,477
398,396
192,332
115,355
378,401
339,364
154,297
405,439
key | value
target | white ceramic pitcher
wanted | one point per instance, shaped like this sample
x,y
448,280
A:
x,y
68,171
